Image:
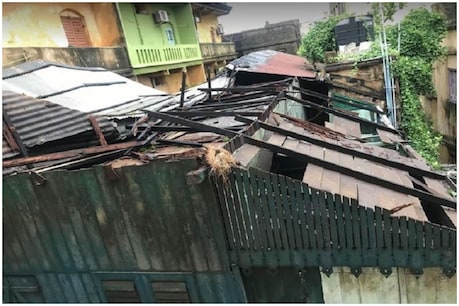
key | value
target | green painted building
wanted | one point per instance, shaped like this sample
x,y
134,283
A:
x,y
161,41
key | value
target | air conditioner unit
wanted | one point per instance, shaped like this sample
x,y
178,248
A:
x,y
161,16
220,30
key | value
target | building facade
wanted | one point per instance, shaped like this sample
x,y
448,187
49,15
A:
x,y
151,43
80,34
282,36
442,108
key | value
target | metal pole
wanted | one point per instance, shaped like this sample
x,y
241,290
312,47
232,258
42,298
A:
x,y
182,95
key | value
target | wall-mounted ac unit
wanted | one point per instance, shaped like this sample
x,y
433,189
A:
x,y
161,16
220,30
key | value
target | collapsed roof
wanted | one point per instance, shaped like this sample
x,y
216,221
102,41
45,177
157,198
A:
x,y
256,118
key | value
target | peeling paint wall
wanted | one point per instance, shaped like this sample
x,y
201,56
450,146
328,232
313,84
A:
x,y
439,109
204,29
39,24
400,287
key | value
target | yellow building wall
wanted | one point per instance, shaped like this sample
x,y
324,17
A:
x,y
371,287
204,26
438,110
39,24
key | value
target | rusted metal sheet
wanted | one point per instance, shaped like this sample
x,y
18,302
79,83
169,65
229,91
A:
x,y
38,122
273,62
351,128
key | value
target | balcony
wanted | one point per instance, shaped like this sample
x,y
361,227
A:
x,y
142,57
110,58
220,51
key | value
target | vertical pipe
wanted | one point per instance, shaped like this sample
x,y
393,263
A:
x,y
182,94
208,82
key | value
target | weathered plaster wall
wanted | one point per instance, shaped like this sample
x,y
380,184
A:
x,y
283,37
439,109
204,26
39,24
400,287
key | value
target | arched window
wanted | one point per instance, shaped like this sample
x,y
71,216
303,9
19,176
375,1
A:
x,y
75,29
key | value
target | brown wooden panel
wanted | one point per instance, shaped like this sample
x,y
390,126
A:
x,y
366,193
313,174
331,179
348,184
352,128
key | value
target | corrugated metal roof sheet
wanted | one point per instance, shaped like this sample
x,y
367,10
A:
x,y
86,90
94,90
273,62
40,121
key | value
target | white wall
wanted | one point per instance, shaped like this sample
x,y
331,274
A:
x,y
400,287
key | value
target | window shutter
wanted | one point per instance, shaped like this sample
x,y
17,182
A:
x,y
75,31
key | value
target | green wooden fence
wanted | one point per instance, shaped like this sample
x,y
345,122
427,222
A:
x,y
272,220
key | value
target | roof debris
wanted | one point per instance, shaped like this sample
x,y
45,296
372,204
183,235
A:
x,y
97,117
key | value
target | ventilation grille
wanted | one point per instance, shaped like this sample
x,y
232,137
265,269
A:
x,y
170,292
120,292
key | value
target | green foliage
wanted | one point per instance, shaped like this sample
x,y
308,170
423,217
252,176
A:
x,y
421,34
388,9
318,40
420,46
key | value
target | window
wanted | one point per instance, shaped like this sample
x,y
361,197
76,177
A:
x,y
120,291
170,36
170,292
22,289
452,82
75,29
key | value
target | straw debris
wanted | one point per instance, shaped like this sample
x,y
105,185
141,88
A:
x,y
220,162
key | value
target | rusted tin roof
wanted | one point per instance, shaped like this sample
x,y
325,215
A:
x,y
273,62
38,122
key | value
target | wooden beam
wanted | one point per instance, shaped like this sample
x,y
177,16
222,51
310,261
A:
x,y
70,153
96,128
309,159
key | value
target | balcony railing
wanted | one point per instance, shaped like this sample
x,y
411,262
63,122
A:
x,y
111,58
220,50
142,56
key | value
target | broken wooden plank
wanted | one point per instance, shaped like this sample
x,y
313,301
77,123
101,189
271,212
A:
x,y
331,179
335,128
348,184
245,154
352,128
68,154
313,173
388,137
96,127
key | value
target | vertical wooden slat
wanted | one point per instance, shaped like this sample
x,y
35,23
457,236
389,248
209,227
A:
x,y
226,217
340,222
301,212
272,211
294,194
387,230
436,237
379,228
364,228
317,222
428,237
333,220
325,219
420,235
356,224
287,203
244,208
411,234
235,216
370,258
280,217
403,232
395,232
348,223
265,208
445,239
255,212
